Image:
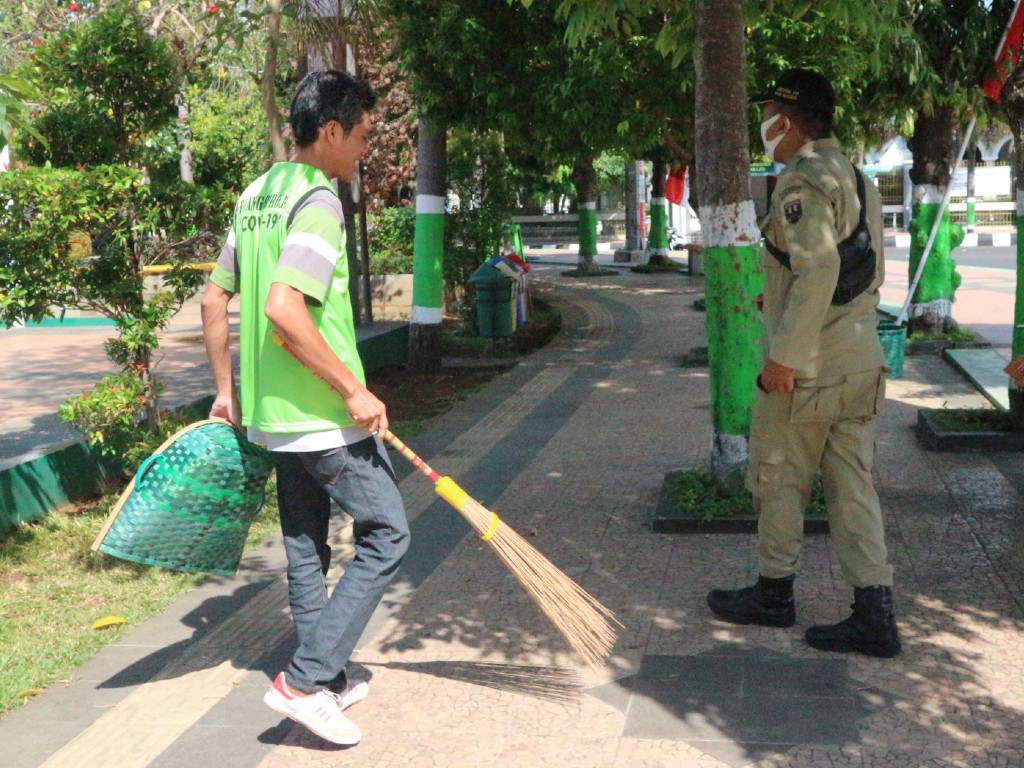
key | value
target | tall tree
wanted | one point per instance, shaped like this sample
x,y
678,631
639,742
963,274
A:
x,y
657,244
194,30
730,228
554,104
428,249
957,39
722,150
1011,101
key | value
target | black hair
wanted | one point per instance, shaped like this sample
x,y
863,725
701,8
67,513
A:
x,y
816,123
327,95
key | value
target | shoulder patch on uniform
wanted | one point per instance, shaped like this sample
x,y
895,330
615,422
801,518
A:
x,y
793,210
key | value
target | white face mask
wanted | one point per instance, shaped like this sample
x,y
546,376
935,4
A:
x,y
770,146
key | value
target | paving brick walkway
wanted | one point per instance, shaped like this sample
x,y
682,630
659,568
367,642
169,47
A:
x,y
571,447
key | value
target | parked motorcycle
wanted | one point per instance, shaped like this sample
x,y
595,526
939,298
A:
x,y
676,242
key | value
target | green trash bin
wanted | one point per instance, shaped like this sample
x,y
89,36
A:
x,y
894,342
495,301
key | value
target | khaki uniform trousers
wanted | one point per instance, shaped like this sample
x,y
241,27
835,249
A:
x,y
825,425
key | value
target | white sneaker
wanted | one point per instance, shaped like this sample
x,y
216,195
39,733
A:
x,y
320,713
355,691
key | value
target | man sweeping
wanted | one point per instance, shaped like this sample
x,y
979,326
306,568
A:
x,y
285,258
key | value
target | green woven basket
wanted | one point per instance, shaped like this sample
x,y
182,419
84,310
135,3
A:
x,y
893,338
191,504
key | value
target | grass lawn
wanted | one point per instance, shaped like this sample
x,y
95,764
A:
x,y
53,587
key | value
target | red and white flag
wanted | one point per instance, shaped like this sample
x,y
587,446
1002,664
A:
x,y
1008,53
675,185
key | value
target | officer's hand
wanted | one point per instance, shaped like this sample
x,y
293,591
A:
x,y
776,378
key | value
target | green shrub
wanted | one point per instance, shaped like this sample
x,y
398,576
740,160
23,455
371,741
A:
x,y
79,239
954,334
481,180
391,233
112,417
230,145
973,419
696,493
195,219
107,83
228,140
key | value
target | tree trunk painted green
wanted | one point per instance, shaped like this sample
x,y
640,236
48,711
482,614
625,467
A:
x,y
931,307
972,161
657,244
657,241
1012,102
734,281
1016,393
730,230
428,249
584,177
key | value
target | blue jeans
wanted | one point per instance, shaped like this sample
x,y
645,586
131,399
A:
x,y
360,479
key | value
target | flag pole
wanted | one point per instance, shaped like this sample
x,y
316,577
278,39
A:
x,y
902,317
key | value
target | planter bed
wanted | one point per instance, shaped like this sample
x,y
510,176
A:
x,y
667,518
936,437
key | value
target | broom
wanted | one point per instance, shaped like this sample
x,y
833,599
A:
x,y
582,621
584,624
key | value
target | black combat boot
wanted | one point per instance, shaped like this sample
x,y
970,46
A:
x,y
769,603
871,629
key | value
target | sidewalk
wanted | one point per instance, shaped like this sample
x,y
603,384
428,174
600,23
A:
x,y
41,367
573,445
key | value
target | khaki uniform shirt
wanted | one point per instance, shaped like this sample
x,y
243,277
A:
x,y
813,208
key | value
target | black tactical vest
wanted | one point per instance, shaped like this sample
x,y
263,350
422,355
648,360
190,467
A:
x,y
856,256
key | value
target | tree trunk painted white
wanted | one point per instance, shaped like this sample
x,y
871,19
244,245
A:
x,y
730,231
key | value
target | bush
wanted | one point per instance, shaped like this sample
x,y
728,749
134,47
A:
x,y
391,232
481,180
195,219
79,239
695,493
230,145
112,417
228,141
107,84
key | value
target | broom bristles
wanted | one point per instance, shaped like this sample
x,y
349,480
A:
x,y
580,619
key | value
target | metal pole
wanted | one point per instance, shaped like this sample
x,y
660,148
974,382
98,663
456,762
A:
x,y
902,318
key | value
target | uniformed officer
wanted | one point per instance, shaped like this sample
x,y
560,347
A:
x,y
822,381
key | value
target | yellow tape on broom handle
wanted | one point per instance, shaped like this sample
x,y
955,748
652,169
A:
x,y
493,529
450,491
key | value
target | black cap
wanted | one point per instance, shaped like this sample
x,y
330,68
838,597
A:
x,y
802,88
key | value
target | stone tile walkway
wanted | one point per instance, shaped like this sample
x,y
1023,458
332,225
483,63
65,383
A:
x,y
571,448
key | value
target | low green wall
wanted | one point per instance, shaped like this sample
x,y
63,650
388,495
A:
x,y
37,486
73,471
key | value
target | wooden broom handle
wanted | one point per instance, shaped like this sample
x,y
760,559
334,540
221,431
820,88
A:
x,y
406,451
